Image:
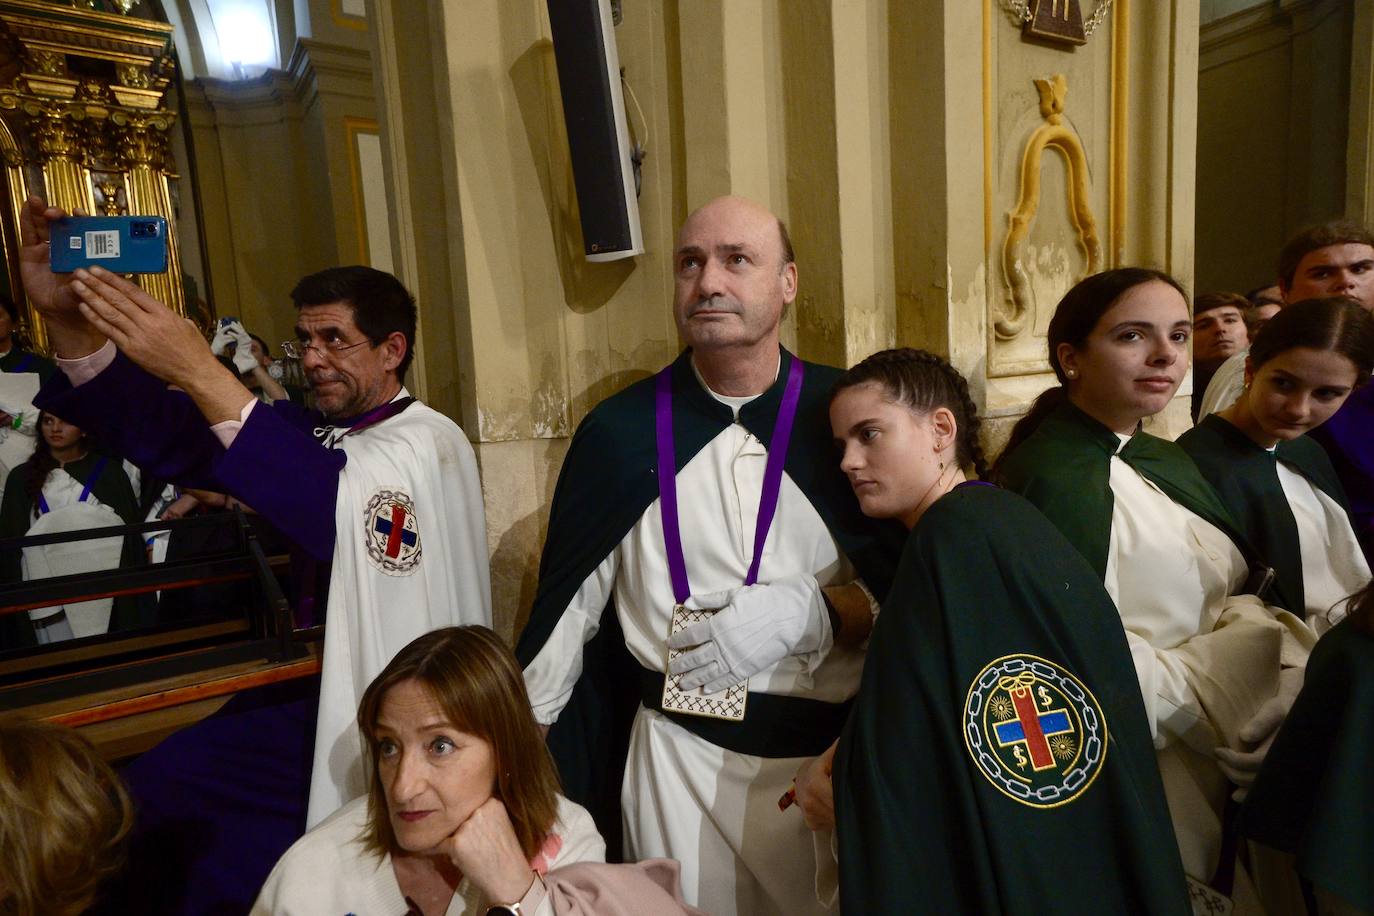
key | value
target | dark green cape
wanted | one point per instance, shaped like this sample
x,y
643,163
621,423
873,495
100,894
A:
x,y
37,364
607,482
1314,796
1247,480
113,489
1064,468
921,828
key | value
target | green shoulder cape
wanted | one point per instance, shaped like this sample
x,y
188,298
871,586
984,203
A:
x,y
607,482
1064,468
938,807
1246,479
1314,796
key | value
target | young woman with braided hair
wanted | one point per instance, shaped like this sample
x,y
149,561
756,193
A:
x,y
1217,668
998,724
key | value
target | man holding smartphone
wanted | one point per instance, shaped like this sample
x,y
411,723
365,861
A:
x,y
378,492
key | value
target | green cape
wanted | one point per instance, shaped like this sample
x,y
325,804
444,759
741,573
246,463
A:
x,y
607,482
1314,796
921,828
113,489
1247,480
1064,468
30,362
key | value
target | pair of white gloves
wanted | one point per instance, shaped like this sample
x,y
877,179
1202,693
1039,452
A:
x,y
756,627
233,332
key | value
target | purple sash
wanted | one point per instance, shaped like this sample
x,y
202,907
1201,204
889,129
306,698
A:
x,y
667,475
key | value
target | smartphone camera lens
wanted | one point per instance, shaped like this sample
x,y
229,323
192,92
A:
x,y
143,230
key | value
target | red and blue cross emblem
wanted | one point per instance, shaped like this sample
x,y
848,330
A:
x,y
395,531
1034,730
1031,728
391,532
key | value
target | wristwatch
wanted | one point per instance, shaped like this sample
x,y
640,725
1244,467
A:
x,y
525,906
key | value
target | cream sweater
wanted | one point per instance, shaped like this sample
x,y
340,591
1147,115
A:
x,y
328,873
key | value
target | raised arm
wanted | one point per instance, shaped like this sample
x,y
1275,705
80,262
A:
x,y
72,335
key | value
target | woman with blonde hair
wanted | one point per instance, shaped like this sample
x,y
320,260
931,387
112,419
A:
x,y
463,813
64,817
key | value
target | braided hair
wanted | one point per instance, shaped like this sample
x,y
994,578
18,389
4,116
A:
x,y
923,381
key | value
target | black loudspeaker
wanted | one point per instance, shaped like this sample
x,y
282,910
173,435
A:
x,y
594,111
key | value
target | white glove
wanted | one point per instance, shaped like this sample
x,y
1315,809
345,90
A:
x,y
1241,767
224,336
756,627
244,360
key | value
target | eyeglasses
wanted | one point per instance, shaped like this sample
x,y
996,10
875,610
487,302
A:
x,y
295,349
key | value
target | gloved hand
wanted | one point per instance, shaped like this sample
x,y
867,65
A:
x,y
756,627
1241,767
244,360
224,336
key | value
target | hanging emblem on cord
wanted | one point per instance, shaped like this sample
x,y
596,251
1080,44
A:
x,y
1058,21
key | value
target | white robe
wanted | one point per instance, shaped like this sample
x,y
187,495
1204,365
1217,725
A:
x,y
1173,577
379,603
713,810
17,391
1225,386
1333,565
68,512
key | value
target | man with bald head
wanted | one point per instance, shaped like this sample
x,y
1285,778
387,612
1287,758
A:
x,y
701,606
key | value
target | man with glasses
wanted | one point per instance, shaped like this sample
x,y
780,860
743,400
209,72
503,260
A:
x,y
379,492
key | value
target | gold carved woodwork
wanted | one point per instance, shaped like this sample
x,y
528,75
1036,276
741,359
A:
x,y
1053,134
87,110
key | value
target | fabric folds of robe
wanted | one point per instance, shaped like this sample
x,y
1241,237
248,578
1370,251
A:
x,y
606,483
1315,794
921,829
1246,478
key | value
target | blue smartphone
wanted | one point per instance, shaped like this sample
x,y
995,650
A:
x,y
120,244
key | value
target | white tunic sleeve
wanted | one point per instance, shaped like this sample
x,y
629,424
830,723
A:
x,y
1170,573
1333,566
550,678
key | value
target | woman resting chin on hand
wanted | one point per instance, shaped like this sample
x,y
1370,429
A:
x,y
463,814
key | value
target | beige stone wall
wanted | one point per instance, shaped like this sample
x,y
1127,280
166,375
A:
x,y
889,135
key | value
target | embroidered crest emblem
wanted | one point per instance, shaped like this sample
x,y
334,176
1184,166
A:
x,y
1034,730
391,532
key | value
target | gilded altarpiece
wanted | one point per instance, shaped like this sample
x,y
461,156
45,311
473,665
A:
x,y
85,122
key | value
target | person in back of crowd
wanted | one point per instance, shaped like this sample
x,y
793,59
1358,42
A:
x,y
66,485
1331,259
1217,668
1315,793
1219,332
251,359
21,372
462,811
998,703
1265,303
1278,483
64,818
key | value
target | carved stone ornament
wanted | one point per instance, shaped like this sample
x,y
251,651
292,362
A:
x,y
48,63
1054,133
133,75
